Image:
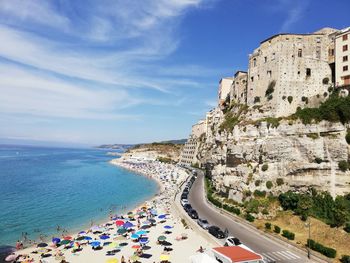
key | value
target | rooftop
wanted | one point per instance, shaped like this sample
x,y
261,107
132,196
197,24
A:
x,y
237,254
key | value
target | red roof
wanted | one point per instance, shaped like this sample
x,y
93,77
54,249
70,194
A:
x,y
237,254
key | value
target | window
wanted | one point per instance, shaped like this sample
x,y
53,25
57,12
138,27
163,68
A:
x,y
308,72
252,79
265,59
345,58
345,68
300,53
269,72
345,37
318,40
345,48
254,62
331,52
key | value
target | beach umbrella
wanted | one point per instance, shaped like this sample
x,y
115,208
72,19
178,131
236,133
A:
x,y
141,232
95,243
147,222
134,258
143,241
161,216
67,238
130,213
128,225
112,260
123,244
113,244
134,236
88,238
121,231
42,245
82,233
64,242
56,240
161,238
103,237
152,220
153,212
42,250
10,258
119,222
164,257
80,238
136,247
168,227
119,238
95,228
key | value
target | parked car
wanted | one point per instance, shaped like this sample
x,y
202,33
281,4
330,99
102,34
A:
x,y
193,213
203,223
234,241
187,207
184,202
216,232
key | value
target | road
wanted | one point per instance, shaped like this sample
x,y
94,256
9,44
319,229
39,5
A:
x,y
271,250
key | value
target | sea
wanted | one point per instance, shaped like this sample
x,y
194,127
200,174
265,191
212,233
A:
x,y
42,188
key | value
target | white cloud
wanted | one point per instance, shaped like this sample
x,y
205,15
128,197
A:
x,y
294,10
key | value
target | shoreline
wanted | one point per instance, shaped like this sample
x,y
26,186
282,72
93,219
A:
x,y
168,178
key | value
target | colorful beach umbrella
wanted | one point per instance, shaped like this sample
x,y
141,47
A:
x,y
87,238
65,242
147,222
164,257
10,258
168,227
136,247
162,216
67,238
56,240
134,236
113,244
134,258
95,243
112,260
141,232
42,245
82,233
80,238
143,241
119,222
128,225
103,237
161,238
121,231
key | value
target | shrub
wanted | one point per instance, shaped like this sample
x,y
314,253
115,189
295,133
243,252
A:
x,y
279,181
325,94
313,136
318,160
265,167
290,99
343,165
232,209
230,121
269,184
270,97
347,137
257,182
277,229
284,97
330,89
347,227
325,81
303,98
256,99
249,217
258,193
270,89
268,226
345,259
265,211
288,234
327,251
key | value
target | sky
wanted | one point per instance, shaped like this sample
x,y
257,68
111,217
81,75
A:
x,y
90,72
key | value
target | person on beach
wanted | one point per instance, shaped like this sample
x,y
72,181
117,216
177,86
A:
x,y
200,250
122,260
18,245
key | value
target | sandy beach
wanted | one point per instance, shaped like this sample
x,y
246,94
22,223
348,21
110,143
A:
x,y
163,237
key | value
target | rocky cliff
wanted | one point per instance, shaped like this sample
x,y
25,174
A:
x,y
245,154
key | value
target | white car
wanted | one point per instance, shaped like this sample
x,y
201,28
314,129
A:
x,y
184,202
234,241
203,223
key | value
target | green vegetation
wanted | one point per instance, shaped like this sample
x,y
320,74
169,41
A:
x,y
334,109
347,137
347,227
279,181
258,193
270,89
319,205
271,122
343,165
269,184
289,235
268,226
184,223
265,167
230,121
313,136
257,99
290,99
318,160
210,190
345,259
284,97
164,159
327,251
249,217
232,209
277,229
257,182
305,99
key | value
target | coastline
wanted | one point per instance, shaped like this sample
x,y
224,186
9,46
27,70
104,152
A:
x,y
168,178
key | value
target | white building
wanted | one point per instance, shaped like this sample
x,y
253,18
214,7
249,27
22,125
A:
x,y
342,57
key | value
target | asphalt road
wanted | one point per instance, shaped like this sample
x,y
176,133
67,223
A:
x,y
271,250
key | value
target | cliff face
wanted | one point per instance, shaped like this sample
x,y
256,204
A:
x,y
289,154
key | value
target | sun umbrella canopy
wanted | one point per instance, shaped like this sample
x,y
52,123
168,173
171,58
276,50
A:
x,y
147,222
80,238
134,236
119,222
121,231
136,247
42,245
143,241
67,238
95,243
168,227
152,220
128,225
153,212
88,238
161,238
82,233
113,244
161,216
104,237
164,257
134,258
65,242
56,240
10,258
112,260
141,232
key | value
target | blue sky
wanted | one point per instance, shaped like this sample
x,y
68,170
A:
x,y
122,71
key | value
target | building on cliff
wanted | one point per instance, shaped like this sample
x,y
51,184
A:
x,y
342,57
224,89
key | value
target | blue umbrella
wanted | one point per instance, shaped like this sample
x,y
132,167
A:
x,y
161,216
56,240
88,238
147,222
134,236
143,240
153,212
141,232
128,225
104,237
168,227
95,243
82,233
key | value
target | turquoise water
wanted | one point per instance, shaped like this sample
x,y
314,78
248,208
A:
x,y
45,187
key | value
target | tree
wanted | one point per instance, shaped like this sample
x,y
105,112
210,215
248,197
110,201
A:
x,y
289,200
305,203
